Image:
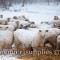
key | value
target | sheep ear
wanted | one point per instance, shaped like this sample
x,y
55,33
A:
x,y
54,24
41,22
32,22
6,27
40,31
46,30
21,25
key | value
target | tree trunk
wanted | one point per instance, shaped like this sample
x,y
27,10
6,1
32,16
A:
x,y
48,2
23,3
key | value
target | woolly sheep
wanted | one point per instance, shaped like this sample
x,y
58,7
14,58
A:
x,y
23,17
15,17
1,27
44,26
7,27
51,34
56,30
13,24
56,23
51,38
12,20
26,38
21,22
6,39
10,27
27,20
3,21
24,22
20,18
8,19
32,25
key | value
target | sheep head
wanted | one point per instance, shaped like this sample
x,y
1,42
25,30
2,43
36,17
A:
x,y
43,33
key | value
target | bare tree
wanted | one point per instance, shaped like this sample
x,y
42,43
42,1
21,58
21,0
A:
x,y
23,3
48,2
58,2
8,3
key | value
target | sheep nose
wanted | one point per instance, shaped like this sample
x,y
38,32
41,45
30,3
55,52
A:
x,y
43,36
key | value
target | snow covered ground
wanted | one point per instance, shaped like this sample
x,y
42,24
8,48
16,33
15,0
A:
x,y
36,13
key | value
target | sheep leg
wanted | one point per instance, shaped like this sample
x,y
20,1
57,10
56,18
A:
x,y
45,42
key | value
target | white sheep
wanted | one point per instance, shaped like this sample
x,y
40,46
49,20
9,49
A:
x,y
32,25
24,23
44,26
56,23
1,27
26,38
10,27
56,30
49,27
6,39
21,22
21,19
13,24
3,21
12,20
51,38
7,27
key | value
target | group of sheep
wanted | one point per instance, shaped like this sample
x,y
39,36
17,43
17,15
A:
x,y
19,32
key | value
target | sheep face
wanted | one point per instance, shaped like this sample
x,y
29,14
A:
x,y
23,16
42,22
55,26
8,19
27,20
15,17
17,22
32,22
42,37
21,26
55,17
6,28
1,16
46,22
43,33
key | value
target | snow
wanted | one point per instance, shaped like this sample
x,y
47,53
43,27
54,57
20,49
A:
x,y
6,58
36,13
22,34
9,57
